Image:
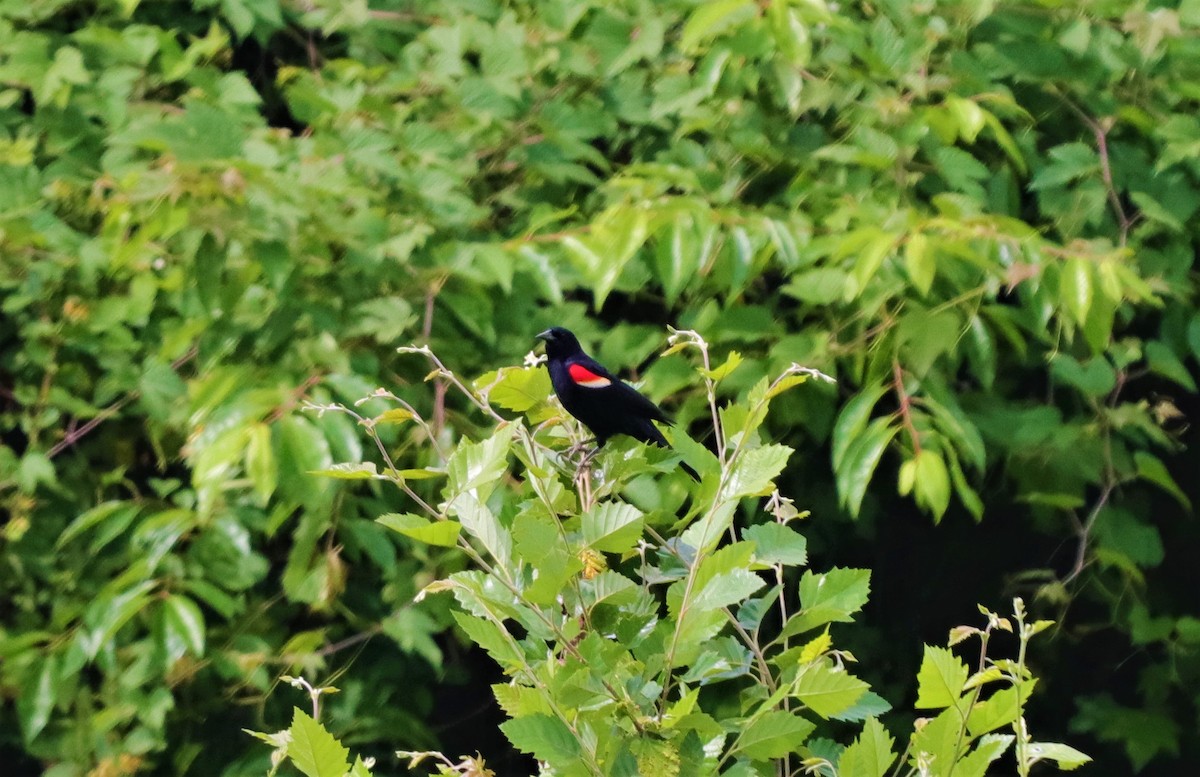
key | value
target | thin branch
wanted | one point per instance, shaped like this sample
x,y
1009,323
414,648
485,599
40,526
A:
x,y
905,407
74,435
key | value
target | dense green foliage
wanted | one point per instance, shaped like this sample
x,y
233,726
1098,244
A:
x,y
980,218
641,637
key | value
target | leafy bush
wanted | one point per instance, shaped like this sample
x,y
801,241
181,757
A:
x,y
979,217
641,637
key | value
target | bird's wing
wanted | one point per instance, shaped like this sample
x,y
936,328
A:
x,y
589,373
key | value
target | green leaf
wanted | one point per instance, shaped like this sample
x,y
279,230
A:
x,y
363,471
976,763
773,735
441,533
183,618
932,483
852,420
1163,361
870,755
260,461
1151,468
919,262
821,286
1095,377
1067,757
109,514
36,700
777,544
538,540
999,709
860,460
829,597
718,374
869,705
755,469
726,589
827,690
1076,288
940,679
313,750
711,19
520,389
612,527
546,738
35,468
700,458
871,257
482,524
1071,161
491,638
477,465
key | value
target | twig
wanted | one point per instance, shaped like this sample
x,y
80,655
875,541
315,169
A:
x,y
905,407
74,435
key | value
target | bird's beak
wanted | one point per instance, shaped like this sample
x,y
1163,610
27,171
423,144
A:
x,y
547,335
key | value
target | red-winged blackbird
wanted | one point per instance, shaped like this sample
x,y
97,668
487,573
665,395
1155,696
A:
x,y
604,403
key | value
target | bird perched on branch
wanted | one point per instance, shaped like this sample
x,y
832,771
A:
x,y
601,401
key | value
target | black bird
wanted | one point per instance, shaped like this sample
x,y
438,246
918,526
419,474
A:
x,y
604,403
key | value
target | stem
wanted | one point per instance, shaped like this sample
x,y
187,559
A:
x,y
905,407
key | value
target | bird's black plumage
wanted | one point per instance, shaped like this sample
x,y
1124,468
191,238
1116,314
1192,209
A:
x,y
601,401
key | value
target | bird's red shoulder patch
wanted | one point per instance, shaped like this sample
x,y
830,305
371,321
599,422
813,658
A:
x,y
586,378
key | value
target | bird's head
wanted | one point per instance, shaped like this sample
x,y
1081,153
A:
x,y
560,343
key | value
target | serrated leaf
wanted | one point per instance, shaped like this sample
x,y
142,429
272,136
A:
x,y
870,755
869,705
755,469
538,541
608,587
815,648
477,465
726,589
775,543
491,638
521,389
827,690
441,533
313,750
773,735
831,597
546,738
481,523
718,374
999,709
612,527
940,679
976,763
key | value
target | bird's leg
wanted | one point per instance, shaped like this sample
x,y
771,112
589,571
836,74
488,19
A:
x,y
579,447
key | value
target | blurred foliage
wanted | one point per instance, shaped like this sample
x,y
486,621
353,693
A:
x,y
980,217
